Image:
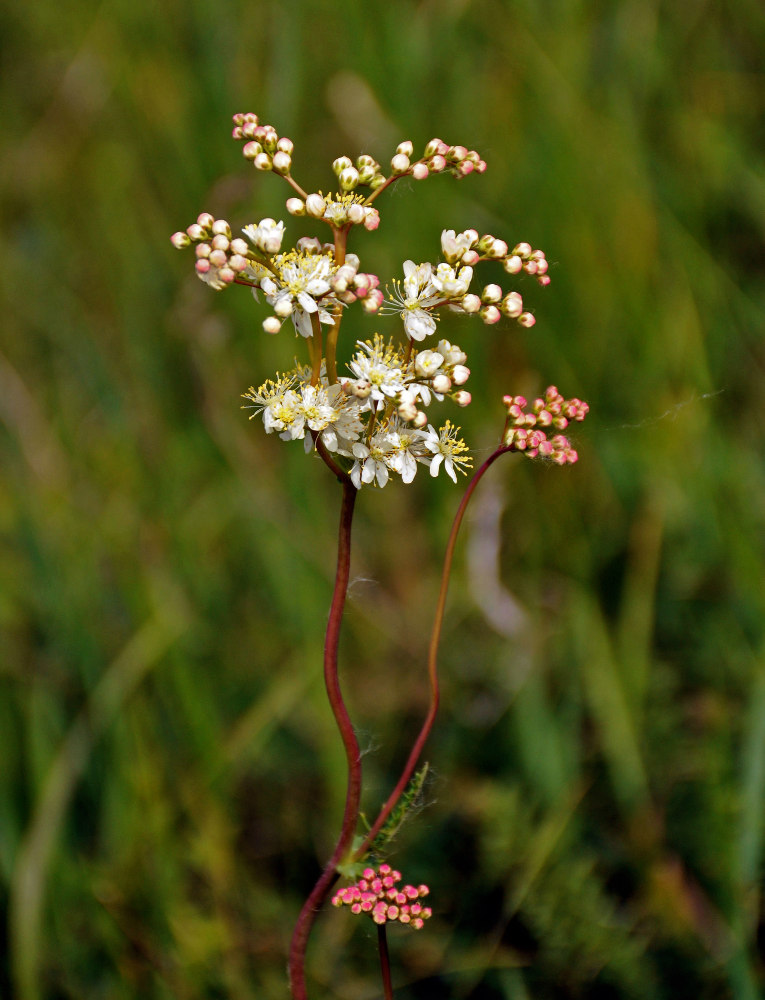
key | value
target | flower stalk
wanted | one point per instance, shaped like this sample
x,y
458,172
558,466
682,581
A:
x,y
365,414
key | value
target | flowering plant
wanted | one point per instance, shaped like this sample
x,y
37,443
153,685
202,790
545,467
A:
x,y
368,420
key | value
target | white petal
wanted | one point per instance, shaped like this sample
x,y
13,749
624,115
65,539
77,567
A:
x,y
434,465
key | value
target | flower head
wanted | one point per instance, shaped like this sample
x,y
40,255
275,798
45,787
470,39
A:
x,y
378,894
524,427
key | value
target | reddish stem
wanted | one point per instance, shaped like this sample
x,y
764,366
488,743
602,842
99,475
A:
x,y
435,636
353,793
382,944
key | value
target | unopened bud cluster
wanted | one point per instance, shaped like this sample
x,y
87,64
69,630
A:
x,y
377,894
528,424
263,145
220,256
492,303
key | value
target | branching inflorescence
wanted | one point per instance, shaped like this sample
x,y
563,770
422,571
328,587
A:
x,y
367,417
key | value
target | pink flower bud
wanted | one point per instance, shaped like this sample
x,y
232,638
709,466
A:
x,y
220,242
490,314
400,163
262,161
180,240
512,305
221,228
218,258
457,153
437,164
195,232
420,420
544,280
523,250
371,220
460,374
295,206
205,220
227,275
462,397
420,171
202,266
239,246
499,249
441,383
512,264
237,263
464,167
471,257
373,301
285,145
309,244
492,294
251,149
526,319
272,325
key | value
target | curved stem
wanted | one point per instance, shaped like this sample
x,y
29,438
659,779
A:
x,y
353,792
435,637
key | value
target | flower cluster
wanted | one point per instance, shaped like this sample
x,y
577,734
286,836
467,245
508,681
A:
x,y
373,419
376,893
523,430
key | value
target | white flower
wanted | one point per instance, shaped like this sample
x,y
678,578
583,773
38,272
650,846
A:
x,y
407,448
281,407
302,279
372,463
451,282
381,366
345,427
266,236
454,245
412,298
316,407
445,448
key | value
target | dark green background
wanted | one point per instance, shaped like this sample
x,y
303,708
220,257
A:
x,y
170,778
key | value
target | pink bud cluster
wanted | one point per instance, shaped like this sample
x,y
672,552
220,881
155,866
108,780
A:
x,y
262,144
458,160
376,893
220,258
349,285
523,430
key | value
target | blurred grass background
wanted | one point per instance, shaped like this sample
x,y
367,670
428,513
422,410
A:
x,y
170,779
